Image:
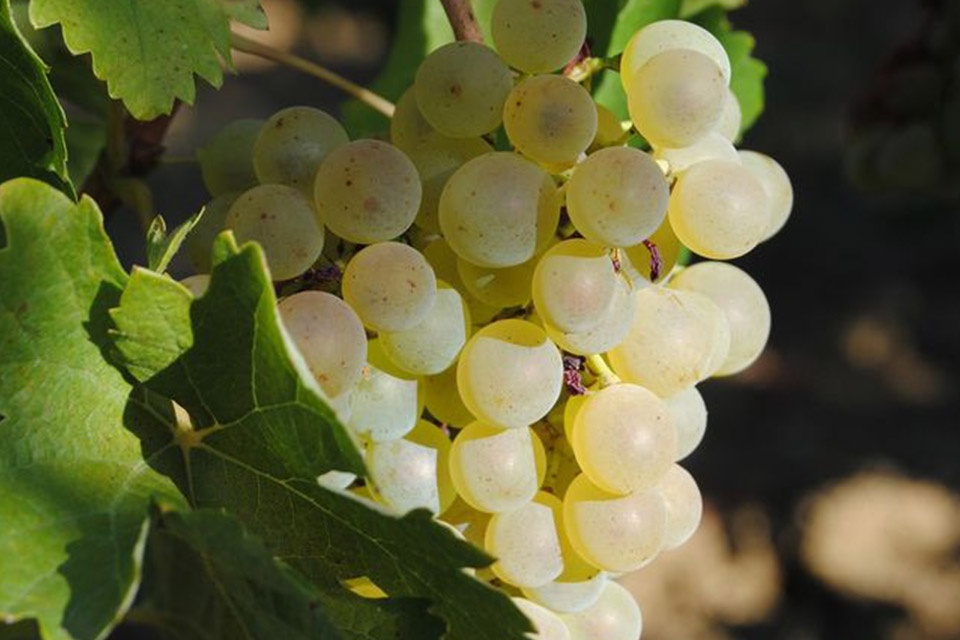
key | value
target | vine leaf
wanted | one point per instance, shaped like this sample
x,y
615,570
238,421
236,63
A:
x,y
148,52
32,124
238,590
161,247
261,435
74,485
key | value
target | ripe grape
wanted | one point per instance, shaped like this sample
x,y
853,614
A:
x,y
445,263
688,413
293,143
712,146
731,119
677,98
390,286
197,284
336,480
609,129
443,399
615,616
526,544
212,222
461,88
669,35
547,625
329,336
538,37
226,161
617,197
623,438
430,435
742,301
568,597
776,184
498,210
433,344
404,475
684,505
719,209
614,533
574,285
550,119
367,191
495,469
285,225
408,128
436,160
383,407
498,288
641,259
510,374
614,325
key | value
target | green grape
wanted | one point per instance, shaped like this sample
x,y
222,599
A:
x,y
743,303
408,128
672,343
547,625
226,161
436,160
550,119
776,184
367,191
329,336
214,220
623,439
677,98
732,117
197,285
568,597
538,37
614,533
293,143
377,356
390,286
668,35
719,209
336,480
498,210
404,475
433,344
617,197
641,260
570,411
614,616
614,325
285,225
684,505
498,288
443,400
495,469
510,374
609,129
688,413
445,263
574,285
430,435
712,146
383,407
461,88
526,543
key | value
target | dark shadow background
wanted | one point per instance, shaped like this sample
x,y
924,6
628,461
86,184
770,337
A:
x,y
861,373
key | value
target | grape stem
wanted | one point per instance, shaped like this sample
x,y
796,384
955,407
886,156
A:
x,y
463,20
605,375
374,100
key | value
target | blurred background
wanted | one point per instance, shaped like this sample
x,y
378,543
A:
x,y
831,468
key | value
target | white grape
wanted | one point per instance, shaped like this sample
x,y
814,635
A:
x,y
226,161
292,144
433,344
568,597
615,616
614,325
404,475
430,435
526,545
731,119
538,37
547,625
574,285
336,480
213,221
498,288
640,259
712,146
443,399
776,184
688,412
197,284
383,407
668,35
494,469
684,505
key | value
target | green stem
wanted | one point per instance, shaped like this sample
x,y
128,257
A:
x,y
605,375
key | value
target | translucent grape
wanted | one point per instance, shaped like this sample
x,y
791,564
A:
x,y
617,197
383,407
547,625
526,545
668,35
712,146
641,259
615,616
568,597
510,374
776,184
445,263
433,344
498,288
436,160
212,222
624,439
719,209
293,143
337,480
609,128
197,285
226,161
461,88
330,337
688,413
404,475
494,469
538,37
285,225
498,210
677,98
408,128
575,568
550,119
742,301
390,286
731,119
574,285
367,191
615,323
377,356
430,435
443,399
684,505
614,533
671,344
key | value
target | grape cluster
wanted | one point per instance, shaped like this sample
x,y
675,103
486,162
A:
x,y
509,334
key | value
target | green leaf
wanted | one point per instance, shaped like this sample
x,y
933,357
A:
x,y
262,435
161,248
32,123
86,140
693,7
238,590
148,52
74,483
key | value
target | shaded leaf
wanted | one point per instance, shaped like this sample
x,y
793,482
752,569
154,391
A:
x,y
161,248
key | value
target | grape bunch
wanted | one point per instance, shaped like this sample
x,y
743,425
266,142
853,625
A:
x,y
509,334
